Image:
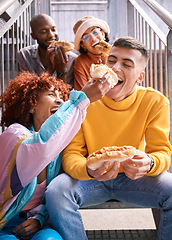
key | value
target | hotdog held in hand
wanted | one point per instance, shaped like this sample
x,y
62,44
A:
x,y
68,46
104,47
97,71
111,154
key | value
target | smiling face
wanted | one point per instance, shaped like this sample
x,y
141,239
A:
x,y
129,65
48,103
90,38
44,31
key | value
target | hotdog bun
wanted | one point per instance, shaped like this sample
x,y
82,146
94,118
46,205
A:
x,y
68,46
97,71
111,154
104,47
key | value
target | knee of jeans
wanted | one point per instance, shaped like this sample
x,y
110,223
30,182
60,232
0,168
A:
x,y
47,234
62,183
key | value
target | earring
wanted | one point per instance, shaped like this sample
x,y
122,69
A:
x,y
31,111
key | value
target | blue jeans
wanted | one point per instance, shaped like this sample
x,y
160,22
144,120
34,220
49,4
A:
x,y
65,195
47,233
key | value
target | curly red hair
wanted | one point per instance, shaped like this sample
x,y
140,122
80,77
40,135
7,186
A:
x,y
22,95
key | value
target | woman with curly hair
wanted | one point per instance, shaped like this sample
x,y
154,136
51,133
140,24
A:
x,y
40,123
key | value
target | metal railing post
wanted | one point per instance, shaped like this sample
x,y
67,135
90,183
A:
x,y
169,62
130,15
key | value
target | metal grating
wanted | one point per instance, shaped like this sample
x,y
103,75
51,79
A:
x,y
122,234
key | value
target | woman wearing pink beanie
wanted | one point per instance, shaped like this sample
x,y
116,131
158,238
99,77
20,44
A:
x,y
88,32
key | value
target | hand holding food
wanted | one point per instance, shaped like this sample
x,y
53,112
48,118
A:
x,y
104,47
97,71
111,154
68,46
57,57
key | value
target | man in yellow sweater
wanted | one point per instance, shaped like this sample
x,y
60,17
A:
x,y
128,115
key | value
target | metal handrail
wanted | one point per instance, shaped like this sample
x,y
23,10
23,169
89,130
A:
x,y
78,3
153,25
15,16
4,5
165,16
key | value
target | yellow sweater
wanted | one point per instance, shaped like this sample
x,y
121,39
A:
x,y
141,120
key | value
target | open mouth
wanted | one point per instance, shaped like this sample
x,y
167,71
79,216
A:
x,y
53,111
119,82
51,41
94,44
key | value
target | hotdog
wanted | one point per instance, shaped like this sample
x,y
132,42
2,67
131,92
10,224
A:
x,y
104,47
68,46
97,71
111,154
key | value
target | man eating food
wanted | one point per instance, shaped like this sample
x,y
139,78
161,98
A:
x,y
128,115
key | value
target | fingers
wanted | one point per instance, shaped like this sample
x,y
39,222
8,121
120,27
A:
x,y
25,232
137,167
50,50
60,60
106,82
27,229
104,173
105,79
95,90
112,172
60,53
57,50
100,81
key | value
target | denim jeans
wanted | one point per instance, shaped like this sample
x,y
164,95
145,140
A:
x,y
65,195
47,233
